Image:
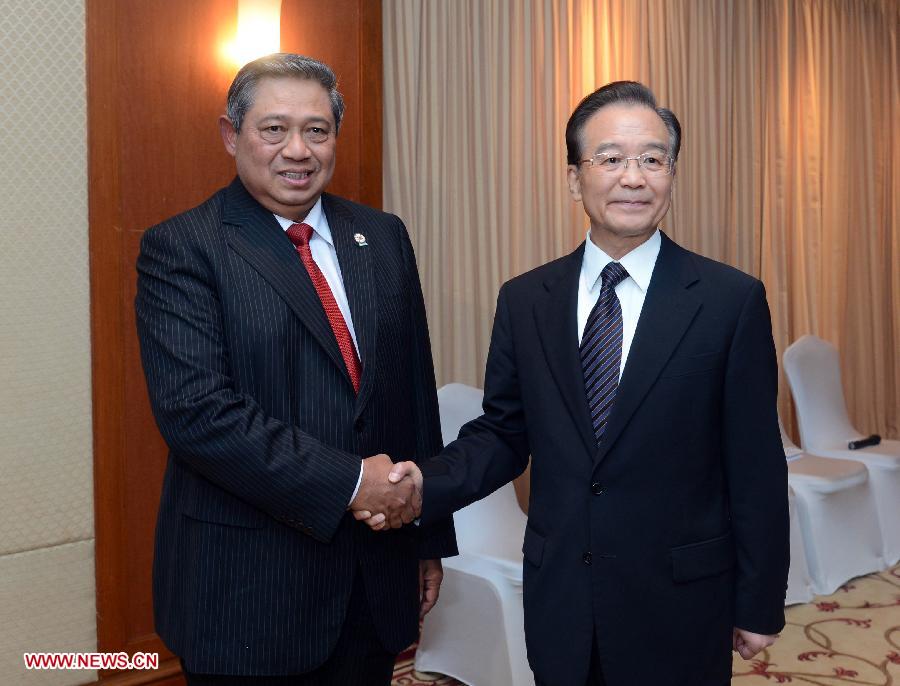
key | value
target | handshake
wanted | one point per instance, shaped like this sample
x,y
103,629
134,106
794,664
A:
x,y
390,495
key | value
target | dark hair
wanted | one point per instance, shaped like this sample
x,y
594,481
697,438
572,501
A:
x,y
243,88
628,92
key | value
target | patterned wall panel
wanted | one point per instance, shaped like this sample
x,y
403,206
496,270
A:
x,y
45,401
46,502
47,598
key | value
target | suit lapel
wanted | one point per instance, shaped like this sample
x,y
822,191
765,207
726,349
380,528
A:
x,y
557,322
261,242
668,310
359,283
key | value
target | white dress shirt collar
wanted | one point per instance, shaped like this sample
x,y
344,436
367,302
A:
x,y
638,263
316,219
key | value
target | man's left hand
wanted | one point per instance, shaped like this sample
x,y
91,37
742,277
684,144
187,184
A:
x,y
747,644
431,574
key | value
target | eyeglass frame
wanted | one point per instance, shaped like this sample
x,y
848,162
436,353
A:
x,y
666,170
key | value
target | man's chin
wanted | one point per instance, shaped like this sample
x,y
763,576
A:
x,y
297,202
633,230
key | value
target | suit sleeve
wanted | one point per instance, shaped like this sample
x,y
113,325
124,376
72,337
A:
x,y
756,470
438,539
492,449
221,434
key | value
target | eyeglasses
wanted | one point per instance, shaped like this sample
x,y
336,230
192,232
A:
x,y
652,163
276,133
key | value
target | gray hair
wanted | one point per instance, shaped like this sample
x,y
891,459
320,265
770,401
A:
x,y
280,64
627,92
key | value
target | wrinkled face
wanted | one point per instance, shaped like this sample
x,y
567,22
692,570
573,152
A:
x,y
285,149
625,206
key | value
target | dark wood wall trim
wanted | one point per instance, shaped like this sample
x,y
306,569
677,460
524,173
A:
x,y
371,70
107,311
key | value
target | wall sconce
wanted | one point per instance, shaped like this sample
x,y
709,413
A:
x,y
258,31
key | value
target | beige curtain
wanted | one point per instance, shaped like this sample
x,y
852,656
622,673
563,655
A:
x,y
790,166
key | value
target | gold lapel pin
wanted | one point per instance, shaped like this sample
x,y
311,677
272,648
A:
x,y
360,239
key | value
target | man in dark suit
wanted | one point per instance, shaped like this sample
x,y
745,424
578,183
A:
x,y
284,338
641,378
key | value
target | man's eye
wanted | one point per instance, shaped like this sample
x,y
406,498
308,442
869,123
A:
x,y
612,161
273,129
316,134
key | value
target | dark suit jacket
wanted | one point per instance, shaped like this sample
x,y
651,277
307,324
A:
x,y
255,552
676,528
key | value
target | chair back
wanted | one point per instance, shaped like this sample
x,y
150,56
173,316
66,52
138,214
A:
x,y
493,526
813,369
790,449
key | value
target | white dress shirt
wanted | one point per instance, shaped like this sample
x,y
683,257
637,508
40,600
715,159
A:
x,y
631,291
321,245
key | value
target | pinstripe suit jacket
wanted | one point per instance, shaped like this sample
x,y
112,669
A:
x,y
255,552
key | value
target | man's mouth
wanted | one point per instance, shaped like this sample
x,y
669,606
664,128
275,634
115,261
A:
x,y
630,204
295,176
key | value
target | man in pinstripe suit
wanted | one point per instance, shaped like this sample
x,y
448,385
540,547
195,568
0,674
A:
x,y
284,338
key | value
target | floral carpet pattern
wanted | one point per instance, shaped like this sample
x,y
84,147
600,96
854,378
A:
x,y
849,637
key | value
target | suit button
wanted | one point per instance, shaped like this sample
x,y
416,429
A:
x,y
359,425
587,558
597,488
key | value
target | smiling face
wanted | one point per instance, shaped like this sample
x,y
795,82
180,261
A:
x,y
285,150
626,206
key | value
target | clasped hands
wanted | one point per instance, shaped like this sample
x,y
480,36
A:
x,y
390,495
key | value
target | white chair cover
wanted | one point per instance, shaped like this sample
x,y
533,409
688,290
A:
x,y
476,632
799,589
837,517
813,371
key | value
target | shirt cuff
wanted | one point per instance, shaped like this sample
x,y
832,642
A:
x,y
358,484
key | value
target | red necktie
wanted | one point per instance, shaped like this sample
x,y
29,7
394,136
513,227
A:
x,y
300,235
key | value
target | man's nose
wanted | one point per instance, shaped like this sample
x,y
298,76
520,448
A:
x,y
295,146
632,175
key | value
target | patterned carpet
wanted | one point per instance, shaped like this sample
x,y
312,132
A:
x,y
850,637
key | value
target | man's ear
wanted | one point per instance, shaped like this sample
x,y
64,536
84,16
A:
x,y
574,181
229,135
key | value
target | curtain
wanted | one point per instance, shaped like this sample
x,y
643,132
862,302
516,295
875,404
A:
x,y
789,169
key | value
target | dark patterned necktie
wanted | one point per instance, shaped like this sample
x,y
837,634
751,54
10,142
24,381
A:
x,y
300,235
601,348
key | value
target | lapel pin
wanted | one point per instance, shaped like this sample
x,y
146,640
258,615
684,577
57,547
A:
x,y
360,240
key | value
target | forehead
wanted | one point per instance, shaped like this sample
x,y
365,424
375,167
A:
x,y
289,97
624,125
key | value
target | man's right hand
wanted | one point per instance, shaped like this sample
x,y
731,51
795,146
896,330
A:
x,y
386,499
398,475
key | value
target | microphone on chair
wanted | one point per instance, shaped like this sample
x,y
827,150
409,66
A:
x,y
874,439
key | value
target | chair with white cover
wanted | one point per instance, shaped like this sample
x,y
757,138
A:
x,y
813,371
837,517
799,589
475,633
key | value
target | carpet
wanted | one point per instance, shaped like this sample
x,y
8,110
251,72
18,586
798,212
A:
x,y
849,637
